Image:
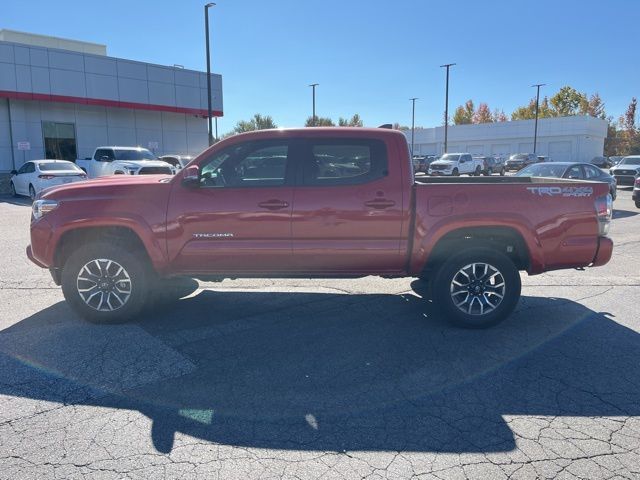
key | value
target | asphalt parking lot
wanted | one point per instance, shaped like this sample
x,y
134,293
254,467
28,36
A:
x,y
323,379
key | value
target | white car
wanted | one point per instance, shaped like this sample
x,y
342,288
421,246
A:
x,y
36,175
454,164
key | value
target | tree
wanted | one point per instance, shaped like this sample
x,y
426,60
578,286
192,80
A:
x,y
500,116
464,113
528,112
482,114
594,107
567,101
319,122
355,121
629,136
257,122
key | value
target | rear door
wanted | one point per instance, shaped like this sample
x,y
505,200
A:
x,y
238,220
348,208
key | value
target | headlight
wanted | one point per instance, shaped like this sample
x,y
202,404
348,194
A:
x,y
42,207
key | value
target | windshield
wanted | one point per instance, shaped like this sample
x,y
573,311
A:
x,y
518,156
542,170
630,161
59,167
450,157
133,154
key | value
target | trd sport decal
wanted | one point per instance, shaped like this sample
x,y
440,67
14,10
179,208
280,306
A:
x,y
562,191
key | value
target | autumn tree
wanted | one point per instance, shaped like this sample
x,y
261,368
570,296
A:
x,y
500,116
257,122
528,112
319,122
567,102
594,107
482,114
629,143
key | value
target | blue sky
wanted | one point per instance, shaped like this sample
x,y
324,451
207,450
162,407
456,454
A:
x,y
369,57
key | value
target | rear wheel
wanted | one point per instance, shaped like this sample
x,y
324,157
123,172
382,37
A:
x,y
613,193
477,288
478,171
105,283
455,172
502,172
32,192
12,189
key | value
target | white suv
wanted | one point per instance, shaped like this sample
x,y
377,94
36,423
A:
x,y
454,164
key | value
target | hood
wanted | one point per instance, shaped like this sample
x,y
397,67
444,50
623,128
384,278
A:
x,y
142,163
444,162
113,185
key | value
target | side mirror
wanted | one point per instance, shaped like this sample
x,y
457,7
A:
x,y
14,172
191,177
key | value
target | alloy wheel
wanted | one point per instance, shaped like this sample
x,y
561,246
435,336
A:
x,y
104,285
477,288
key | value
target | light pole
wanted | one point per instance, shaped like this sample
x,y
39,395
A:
x,y
535,131
206,30
313,117
413,121
446,105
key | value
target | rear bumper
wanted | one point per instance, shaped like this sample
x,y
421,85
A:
x,y
604,252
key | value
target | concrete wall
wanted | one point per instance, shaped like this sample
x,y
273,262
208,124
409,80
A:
x,y
578,138
173,132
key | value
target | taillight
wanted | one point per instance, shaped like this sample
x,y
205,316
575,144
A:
x,y
46,177
604,211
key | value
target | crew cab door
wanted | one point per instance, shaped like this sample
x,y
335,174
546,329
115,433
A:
x,y
348,208
101,163
238,219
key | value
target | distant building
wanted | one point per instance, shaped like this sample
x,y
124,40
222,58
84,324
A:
x,y
62,98
578,138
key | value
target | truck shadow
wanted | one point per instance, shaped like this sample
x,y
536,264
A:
x,y
329,372
22,201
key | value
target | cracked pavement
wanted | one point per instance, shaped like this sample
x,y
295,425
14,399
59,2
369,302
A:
x,y
331,379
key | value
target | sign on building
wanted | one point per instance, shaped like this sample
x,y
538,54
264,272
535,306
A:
x,y
24,146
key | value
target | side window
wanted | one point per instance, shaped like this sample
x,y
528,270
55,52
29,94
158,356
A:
x,y
31,167
103,152
591,172
344,162
24,168
254,164
574,172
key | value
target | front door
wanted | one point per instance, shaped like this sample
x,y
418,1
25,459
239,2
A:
x,y
238,220
348,212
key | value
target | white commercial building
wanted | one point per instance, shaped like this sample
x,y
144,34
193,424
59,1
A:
x,y
577,138
63,98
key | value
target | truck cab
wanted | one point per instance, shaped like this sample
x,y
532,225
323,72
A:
x,y
116,160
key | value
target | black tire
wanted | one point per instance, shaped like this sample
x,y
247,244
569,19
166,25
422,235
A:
x,y
477,172
136,268
12,190
455,172
502,172
32,192
637,203
613,193
444,294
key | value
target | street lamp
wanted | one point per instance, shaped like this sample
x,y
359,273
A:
x,y
313,117
413,121
535,131
446,105
206,29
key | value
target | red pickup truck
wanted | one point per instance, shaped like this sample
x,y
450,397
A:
x,y
315,202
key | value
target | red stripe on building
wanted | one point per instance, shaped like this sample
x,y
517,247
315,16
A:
x,y
106,103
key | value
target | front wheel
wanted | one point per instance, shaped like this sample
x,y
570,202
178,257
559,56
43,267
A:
x,y
105,283
12,190
477,288
455,172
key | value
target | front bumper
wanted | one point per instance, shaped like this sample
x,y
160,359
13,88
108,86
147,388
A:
x,y
513,166
625,180
33,259
604,252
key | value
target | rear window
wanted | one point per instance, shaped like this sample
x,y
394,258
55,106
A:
x,y
58,167
133,154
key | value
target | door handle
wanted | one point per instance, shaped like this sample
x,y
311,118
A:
x,y
273,204
380,203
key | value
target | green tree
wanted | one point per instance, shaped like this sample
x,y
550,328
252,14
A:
x,y
593,107
528,112
567,102
354,121
257,122
464,113
319,122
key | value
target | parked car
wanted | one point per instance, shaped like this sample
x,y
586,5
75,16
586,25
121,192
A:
x,y
419,164
627,170
615,159
491,164
543,158
601,162
518,161
454,164
111,243
123,161
178,162
572,170
635,196
36,175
